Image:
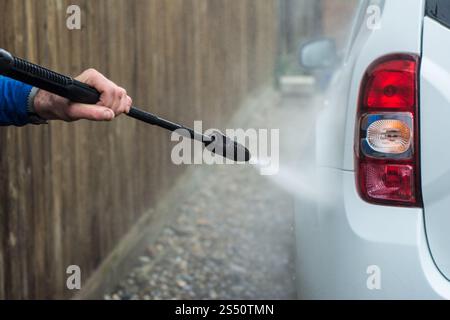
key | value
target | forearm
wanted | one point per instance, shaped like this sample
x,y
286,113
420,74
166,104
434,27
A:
x,y
13,102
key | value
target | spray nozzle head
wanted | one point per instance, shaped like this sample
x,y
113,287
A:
x,y
227,148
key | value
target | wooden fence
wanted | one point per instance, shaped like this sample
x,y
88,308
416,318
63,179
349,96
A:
x,y
69,192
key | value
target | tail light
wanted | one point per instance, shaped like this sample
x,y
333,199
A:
x,y
386,144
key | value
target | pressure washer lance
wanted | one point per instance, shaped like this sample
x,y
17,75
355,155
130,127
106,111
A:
x,y
79,92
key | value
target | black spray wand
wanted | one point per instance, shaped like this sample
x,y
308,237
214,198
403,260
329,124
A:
x,y
77,91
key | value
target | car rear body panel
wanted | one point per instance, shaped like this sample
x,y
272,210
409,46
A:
x,y
339,235
435,137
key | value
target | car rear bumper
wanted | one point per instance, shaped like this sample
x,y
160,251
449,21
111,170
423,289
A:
x,y
340,238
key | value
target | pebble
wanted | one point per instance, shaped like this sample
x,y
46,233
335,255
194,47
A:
x,y
181,283
144,259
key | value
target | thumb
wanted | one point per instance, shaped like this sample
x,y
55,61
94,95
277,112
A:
x,y
79,111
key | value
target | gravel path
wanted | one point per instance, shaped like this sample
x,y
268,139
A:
x,y
233,239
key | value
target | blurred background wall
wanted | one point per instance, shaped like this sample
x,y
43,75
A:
x,y
304,20
337,17
70,192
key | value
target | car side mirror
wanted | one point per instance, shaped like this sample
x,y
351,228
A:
x,y
318,54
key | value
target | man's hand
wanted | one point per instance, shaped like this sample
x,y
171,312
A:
x,y
113,101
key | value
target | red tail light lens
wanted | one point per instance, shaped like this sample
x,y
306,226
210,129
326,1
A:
x,y
386,144
387,182
391,84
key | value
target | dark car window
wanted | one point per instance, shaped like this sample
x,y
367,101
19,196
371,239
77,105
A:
x,y
439,10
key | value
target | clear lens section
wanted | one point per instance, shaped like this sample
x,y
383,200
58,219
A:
x,y
390,136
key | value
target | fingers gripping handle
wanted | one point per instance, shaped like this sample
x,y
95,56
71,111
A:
x,y
46,79
58,84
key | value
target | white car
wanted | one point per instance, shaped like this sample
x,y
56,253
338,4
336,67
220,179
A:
x,y
379,225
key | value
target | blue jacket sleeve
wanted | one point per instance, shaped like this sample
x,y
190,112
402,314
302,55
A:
x,y
13,102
